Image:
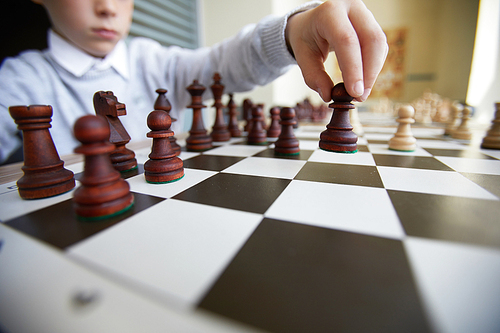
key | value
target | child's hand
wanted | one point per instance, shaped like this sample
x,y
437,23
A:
x,y
349,29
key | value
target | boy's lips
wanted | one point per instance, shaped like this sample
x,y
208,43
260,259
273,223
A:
x,y
105,33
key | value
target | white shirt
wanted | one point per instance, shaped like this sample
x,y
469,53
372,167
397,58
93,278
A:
x,y
78,62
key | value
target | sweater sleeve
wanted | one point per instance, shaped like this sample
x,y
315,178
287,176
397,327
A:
x,y
256,55
16,80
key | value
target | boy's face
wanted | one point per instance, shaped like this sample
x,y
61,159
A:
x,y
95,26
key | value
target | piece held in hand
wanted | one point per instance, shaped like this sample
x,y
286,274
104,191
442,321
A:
x,y
287,143
492,138
220,133
233,126
339,136
103,192
106,104
162,103
44,172
163,165
257,134
403,139
198,139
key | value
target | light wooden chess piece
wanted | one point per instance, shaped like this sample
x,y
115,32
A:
x,y
463,132
355,122
456,110
492,138
426,114
403,139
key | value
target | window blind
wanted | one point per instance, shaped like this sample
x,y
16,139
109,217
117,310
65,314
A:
x,y
170,22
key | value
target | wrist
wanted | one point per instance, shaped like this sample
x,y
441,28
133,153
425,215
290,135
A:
x,y
290,16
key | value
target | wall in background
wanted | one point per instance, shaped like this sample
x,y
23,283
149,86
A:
x,y
438,54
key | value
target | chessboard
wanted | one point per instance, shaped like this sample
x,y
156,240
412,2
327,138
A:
x,y
375,241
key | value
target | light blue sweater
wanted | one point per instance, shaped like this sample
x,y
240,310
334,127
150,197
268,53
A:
x,y
255,56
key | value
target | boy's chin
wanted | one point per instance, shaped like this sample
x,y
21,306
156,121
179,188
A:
x,y
100,51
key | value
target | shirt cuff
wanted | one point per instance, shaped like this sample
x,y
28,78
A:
x,y
273,36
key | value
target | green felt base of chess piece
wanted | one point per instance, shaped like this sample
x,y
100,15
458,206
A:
x,y
103,217
167,182
340,151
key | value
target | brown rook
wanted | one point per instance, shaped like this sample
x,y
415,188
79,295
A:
x,y
44,172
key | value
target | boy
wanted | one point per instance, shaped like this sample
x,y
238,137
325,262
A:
x,y
87,53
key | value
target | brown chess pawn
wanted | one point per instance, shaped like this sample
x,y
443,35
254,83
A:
x,y
403,139
198,139
107,105
339,136
492,138
257,134
163,165
103,192
220,132
233,126
247,114
274,129
44,172
287,143
162,103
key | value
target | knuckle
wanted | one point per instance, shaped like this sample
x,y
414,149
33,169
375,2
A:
x,y
378,39
348,39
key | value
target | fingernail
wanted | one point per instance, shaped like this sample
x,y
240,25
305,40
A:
x,y
324,98
359,88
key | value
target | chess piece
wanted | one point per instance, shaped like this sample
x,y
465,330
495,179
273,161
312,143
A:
x,y
338,136
247,114
427,108
103,192
319,113
233,126
257,134
355,122
403,139
287,143
162,103
44,172
492,138
456,110
107,105
462,132
163,165
198,140
220,132
274,129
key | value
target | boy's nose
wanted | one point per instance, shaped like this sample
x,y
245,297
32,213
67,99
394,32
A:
x,y
105,7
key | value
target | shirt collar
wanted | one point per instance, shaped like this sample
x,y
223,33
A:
x,y
77,62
